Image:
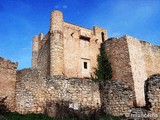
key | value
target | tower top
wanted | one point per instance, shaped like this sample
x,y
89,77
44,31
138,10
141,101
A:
x,y
56,21
57,11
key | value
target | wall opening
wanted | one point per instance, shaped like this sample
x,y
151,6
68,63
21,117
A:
x,y
85,65
85,38
102,35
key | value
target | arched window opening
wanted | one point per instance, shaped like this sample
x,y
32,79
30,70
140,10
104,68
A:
x,y
102,35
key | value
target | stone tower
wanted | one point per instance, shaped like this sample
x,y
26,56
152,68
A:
x,y
56,43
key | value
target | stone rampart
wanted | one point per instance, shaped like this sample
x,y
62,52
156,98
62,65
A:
x,y
8,71
151,58
33,93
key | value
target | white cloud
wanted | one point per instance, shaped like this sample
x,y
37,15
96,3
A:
x,y
56,6
65,6
60,6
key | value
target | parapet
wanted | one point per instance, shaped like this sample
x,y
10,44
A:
x,y
8,64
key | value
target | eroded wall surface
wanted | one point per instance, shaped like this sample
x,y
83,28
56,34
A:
x,y
117,98
8,72
152,92
33,92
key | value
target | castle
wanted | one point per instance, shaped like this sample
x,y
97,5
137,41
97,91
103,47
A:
x,y
67,49
71,51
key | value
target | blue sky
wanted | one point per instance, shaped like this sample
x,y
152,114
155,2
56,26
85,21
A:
x,y
20,20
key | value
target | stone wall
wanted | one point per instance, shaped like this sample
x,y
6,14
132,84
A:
x,y
152,92
138,68
44,59
151,58
23,72
132,61
8,71
118,55
78,49
117,98
34,92
66,47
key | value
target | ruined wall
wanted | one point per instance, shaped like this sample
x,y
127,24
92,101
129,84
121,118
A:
x,y
118,55
151,58
43,61
37,43
138,68
33,93
8,72
152,92
23,72
117,98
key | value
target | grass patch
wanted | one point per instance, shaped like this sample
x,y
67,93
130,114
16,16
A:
x,y
16,116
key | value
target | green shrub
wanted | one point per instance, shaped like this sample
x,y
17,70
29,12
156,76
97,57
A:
x,y
103,71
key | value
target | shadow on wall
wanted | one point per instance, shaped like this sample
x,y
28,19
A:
x,y
63,109
152,93
3,106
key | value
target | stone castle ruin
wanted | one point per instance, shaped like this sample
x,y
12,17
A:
x,y
63,61
67,49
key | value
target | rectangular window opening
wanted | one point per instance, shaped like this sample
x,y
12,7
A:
x,y
85,65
